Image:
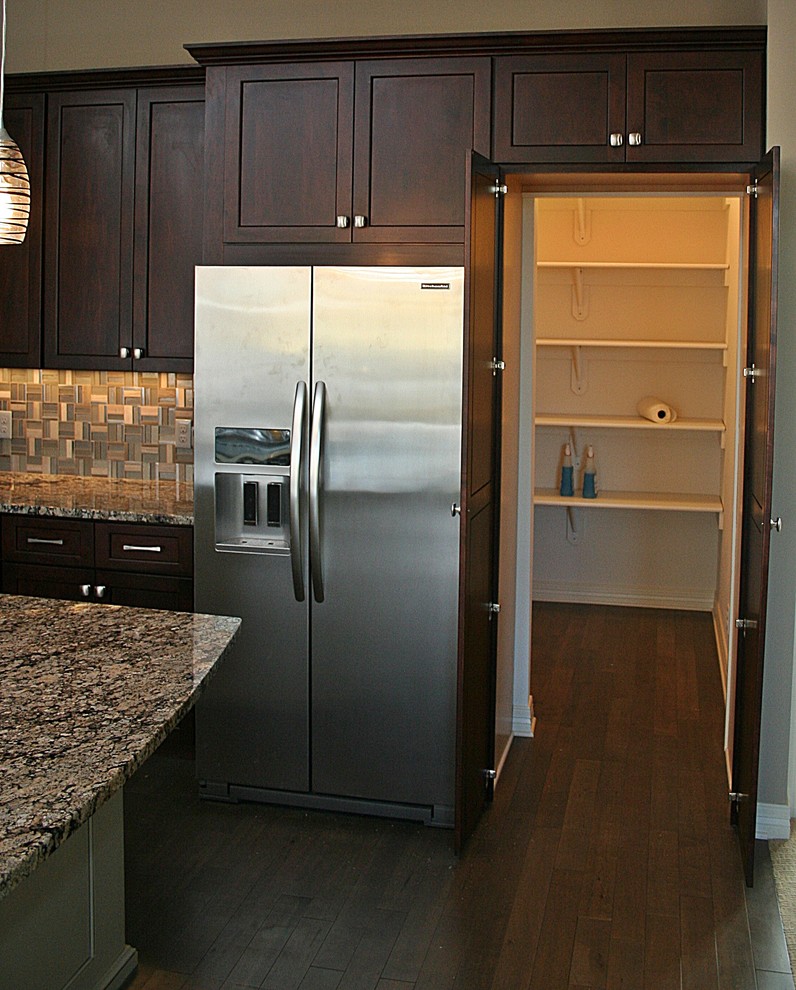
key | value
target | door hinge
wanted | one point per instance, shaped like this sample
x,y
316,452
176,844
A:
x,y
497,366
753,190
752,373
745,624
493,607
736,797
490,775
500,189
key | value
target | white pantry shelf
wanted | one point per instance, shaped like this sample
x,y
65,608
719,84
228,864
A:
x,y
654,265
691,345
629,423
666,501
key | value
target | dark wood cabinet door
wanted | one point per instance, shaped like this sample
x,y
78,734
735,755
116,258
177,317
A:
x,y
695,106
559,108
20,264
72,584
89,228
168,225
143,591
416,121
287,169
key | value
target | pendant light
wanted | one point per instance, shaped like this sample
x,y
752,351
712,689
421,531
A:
x,y
14,182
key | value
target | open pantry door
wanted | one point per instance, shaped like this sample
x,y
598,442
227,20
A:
x,y
756,515
480,501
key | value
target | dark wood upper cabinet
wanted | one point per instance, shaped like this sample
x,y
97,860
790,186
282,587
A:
x,y
416,121
642,107
695,106
288,147
20,264
169,187
337,152
123,226
90,171
554,108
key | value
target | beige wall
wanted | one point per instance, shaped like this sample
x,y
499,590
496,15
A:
x,y
46,35
71,34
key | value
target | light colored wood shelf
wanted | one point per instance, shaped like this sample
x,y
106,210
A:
x,y
666,501
692,345
654,265
629,423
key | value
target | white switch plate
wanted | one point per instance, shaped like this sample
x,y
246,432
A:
x,y
5,424
184,434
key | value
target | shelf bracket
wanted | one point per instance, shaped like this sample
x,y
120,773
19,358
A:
x,y
580,295
573,526
582,228
577,378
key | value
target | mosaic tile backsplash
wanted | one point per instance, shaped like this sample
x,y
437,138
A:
x,y
114,424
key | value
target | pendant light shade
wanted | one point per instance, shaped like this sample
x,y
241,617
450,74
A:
x,y
14,181
14,191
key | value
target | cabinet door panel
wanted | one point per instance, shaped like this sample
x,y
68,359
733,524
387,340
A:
x,y
168,224
89,237
146,591
20,264
66,583
287,174
695,106
559,108
416,122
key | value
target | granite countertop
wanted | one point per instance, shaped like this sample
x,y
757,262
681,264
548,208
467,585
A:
x,y
109,499
87,693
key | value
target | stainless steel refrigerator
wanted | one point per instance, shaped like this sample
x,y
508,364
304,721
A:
x,y
328,406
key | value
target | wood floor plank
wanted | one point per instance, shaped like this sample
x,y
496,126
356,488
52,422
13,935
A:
x,y
699,958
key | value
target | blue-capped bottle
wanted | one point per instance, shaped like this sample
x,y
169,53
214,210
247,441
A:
x,y
589,475
567,484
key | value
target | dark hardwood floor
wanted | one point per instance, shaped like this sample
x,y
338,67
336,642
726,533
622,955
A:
x,y
606,860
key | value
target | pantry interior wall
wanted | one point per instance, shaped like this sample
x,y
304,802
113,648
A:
x,y
625,296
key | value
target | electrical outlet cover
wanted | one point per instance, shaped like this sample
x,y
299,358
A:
x,y
5,424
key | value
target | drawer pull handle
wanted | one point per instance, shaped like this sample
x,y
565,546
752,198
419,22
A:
x,y
85,590
52,543
130,546
99,590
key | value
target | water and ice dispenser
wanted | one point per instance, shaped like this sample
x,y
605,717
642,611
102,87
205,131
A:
x,y
252,491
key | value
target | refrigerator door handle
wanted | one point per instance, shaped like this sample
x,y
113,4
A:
x,y
296,450
316,452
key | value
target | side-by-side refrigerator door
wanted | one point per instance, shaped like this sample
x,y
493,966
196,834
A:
x,y
384,471
251,420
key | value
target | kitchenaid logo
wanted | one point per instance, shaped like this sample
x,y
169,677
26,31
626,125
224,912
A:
x,y
435,285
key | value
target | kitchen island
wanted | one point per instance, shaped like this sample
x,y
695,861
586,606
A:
x,y
87,692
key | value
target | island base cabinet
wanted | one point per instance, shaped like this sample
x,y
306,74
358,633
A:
x,y
63,926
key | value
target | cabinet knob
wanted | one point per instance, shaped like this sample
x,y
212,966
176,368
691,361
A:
x,y
360,221
99,590
617,140
85,590
138,353
634,139
124,352
343,222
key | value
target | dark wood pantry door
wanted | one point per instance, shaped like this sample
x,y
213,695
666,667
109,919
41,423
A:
x,y
480,502
756,520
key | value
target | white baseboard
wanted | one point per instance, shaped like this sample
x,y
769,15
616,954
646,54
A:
x,y
773,821
524,721
651,598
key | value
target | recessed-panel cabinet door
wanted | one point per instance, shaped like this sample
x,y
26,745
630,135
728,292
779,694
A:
x,y
287,171
89,227
694,107
416,123
168,225
20,264
559,108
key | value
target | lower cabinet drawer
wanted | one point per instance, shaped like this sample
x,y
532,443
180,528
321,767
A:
x,y
153,549
31,539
